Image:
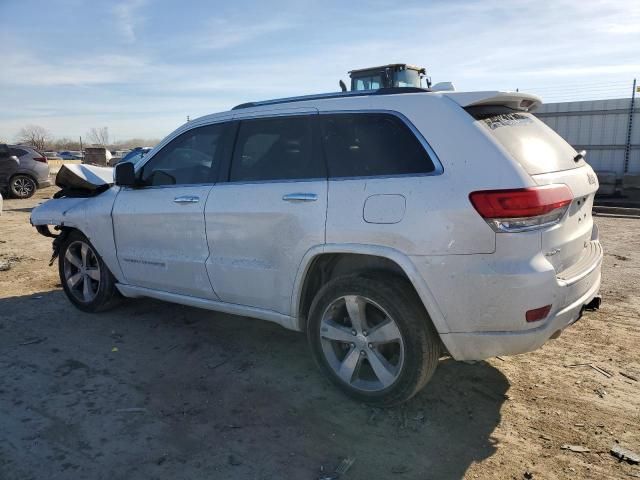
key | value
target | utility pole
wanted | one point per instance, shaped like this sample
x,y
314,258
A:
x,y
81,149
187,118
627,147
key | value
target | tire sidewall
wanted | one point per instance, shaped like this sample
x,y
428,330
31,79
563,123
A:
x,y
410,317
106,289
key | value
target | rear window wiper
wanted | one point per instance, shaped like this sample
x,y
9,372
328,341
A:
x,y
582,155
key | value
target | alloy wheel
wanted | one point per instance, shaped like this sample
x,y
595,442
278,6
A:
x,y
362,343
23,186
82,271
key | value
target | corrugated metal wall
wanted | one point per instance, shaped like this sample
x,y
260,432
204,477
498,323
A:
x,y
600,127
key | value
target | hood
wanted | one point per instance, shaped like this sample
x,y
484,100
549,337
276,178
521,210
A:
x,y
84,177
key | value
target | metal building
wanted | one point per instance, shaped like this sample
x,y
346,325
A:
x,y
602,128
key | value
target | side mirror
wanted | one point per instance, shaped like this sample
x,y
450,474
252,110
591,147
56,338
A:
x,y
125,175
4,150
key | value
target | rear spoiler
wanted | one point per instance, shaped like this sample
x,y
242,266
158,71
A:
x,y
523,102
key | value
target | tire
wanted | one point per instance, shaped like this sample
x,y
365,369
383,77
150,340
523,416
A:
x,y
85,278
405,353
22,186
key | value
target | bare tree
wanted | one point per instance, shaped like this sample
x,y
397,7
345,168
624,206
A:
x,y
34,135
65,144
137,142
99,136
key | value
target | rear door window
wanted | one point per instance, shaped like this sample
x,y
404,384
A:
x,y
18,152
279,148
371,144
530,141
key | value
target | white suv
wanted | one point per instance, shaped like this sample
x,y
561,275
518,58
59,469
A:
x,y
391,226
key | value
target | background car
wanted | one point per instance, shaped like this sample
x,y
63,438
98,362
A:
x,y
120,153
67,155
22,170
134,155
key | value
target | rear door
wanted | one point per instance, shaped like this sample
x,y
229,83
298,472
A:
x,y
9,165
269,213
549,159
159,227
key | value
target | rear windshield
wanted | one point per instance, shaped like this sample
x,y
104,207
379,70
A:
x,y
529,141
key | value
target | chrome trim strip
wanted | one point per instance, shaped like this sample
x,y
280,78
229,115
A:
x,y
177,185
437,164
300,197
187,199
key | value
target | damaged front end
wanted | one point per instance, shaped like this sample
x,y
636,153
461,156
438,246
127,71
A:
x,y
58,240
83,181
67,210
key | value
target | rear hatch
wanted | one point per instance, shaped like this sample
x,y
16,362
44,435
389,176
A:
x,y
550,160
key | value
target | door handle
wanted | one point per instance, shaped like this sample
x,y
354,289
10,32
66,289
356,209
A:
x,y
300,197
186,199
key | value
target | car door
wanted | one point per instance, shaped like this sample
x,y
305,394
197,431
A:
x,y
9,164
159,226
269,213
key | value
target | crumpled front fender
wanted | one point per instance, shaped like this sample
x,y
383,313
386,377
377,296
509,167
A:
x,y
91,216
67,211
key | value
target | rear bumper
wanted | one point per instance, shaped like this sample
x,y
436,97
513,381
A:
x,y
481,345
483,300
44,183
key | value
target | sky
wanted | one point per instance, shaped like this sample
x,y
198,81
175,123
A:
x,y
140,67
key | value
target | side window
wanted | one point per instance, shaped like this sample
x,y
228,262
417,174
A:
x,y
17,152
369,83
279,148
370,144
191,158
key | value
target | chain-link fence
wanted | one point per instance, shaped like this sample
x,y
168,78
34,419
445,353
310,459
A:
x,y
607,128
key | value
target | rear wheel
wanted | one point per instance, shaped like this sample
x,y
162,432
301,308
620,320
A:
x,y
85,278
22,186
373,338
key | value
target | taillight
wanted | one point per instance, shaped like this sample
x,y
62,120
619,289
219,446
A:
x,y
522,209
40,159
537,314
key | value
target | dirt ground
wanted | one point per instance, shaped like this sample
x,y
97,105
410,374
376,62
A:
x,y
154,390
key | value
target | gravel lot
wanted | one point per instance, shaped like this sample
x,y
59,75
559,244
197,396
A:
x,y
154,390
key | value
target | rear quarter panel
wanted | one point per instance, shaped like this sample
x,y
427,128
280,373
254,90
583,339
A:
x,y
438,219
38,170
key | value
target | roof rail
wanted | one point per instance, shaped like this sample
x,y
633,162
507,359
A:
x,y
323,96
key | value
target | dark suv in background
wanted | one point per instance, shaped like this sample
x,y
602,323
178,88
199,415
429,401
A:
x,y
22,170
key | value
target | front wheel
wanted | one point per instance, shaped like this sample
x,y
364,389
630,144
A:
x,y
373,338
22,186
85,278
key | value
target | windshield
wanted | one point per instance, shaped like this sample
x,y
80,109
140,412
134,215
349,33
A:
x,y
133,156
407,78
